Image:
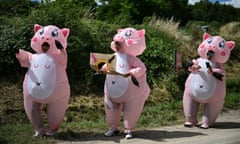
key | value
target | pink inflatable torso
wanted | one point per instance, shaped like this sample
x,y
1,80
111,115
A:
x,y
201,82
206,83
127,43
120,88
126,94
46,81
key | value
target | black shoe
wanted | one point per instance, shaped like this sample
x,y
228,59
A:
x,y
111,132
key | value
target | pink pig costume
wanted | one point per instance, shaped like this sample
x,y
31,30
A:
x,y
206,83
121,94
46,81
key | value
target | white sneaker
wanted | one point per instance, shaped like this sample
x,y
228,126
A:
x,y
128,135
39,133
111,132
50,133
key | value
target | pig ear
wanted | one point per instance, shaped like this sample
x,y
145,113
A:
x,y
206,35
230,44
37,27
119,30
141,33
65,32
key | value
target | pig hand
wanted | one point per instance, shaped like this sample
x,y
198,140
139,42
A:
x,y
104,68
217,75
15,49
192,66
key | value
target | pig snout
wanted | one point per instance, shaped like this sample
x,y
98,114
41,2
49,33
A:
x,y
118,38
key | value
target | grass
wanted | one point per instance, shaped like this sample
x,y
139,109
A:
x,y
85,118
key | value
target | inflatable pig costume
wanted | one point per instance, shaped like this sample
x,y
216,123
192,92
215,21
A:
x,y
128,92
46,81
206,82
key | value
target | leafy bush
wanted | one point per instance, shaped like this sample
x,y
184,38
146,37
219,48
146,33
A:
x,y
89,35
85,36
11,34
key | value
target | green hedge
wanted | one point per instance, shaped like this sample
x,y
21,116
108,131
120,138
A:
x,y
86,35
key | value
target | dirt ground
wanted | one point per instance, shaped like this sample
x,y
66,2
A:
x,y
226,130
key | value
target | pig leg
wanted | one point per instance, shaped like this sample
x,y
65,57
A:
x,y
190,108
56,109
34,114
113,114
132,111
210,113
37,119
55,113
33,111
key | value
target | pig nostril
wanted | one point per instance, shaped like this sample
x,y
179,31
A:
x,y
119,37
213,47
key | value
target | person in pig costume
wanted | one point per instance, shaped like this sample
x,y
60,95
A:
x,y
128,91
46,81
206,82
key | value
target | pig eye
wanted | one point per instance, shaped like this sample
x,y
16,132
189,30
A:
x,y
41,31
221,44
128,33
209,41
55,33
36,65
47,66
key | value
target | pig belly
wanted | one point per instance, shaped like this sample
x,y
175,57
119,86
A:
x,y
116,85
202,86
41,76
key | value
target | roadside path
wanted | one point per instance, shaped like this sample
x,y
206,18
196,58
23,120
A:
x,y
225,131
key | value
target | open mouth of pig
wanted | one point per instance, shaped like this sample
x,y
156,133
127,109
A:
x,y
118,45
210,54
45,47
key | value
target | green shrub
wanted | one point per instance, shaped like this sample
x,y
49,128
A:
x,y
88,36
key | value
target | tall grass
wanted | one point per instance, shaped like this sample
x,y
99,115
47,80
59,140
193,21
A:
x,y
169,26
231,30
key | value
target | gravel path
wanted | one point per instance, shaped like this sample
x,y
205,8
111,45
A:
x,y
225,131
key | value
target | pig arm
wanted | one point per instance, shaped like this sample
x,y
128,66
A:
x,y
219,72
219,69
193,65
137,67
61,57
24,58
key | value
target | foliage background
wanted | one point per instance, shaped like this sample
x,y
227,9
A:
x,y
93,26
170,25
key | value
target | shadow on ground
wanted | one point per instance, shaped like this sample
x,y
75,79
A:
x,y
155,135
226,125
